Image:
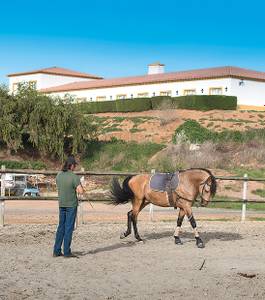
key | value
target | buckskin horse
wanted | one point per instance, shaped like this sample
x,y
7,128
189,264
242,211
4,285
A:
x,y
179,190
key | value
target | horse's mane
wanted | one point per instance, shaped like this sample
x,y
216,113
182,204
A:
x,y
213,179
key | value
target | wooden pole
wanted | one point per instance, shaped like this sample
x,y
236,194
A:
x,y
244,199
151,208
2,204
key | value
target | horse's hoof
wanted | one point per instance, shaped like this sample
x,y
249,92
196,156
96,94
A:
x,y
122,236
199,243
178,241
138,239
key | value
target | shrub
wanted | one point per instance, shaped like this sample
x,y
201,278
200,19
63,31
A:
x,y
11,164
194,132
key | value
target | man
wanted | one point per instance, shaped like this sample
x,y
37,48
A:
x,y
69,186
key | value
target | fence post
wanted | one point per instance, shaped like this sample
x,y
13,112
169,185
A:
x,y
244,199
2,204
82,180
151,208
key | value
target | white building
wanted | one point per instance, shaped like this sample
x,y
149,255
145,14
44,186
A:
x,y
247,85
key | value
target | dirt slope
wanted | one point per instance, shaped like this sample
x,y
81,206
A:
x,y
159,126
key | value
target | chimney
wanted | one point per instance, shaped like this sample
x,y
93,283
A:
x,y
156,68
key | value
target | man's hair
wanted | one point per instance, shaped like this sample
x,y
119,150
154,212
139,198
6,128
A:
x,y
69,163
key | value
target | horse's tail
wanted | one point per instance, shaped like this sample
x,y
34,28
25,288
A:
x,y
121,195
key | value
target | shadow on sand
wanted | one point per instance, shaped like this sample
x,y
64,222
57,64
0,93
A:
x,y
185,237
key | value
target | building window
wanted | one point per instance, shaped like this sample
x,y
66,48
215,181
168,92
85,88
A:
x,y
121,96
165,93
142,95
216,91
189,92
101,98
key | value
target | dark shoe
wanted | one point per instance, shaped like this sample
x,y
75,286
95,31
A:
x,y
178,241
57,254
71,255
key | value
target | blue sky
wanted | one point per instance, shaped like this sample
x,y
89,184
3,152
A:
x,y
119,38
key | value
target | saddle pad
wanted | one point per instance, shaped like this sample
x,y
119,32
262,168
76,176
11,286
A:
x,y
160,182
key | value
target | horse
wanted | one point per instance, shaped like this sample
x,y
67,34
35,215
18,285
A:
x,y
191,183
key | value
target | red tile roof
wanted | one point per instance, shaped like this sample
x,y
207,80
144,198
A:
x,y
57,71
200,74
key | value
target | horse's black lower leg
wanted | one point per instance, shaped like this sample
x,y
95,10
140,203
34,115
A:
x,y
129,225
176,234
199,242
136,234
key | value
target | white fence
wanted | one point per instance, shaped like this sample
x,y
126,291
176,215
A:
x,y
83,173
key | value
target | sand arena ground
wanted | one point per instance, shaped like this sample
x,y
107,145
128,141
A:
x,y
231,266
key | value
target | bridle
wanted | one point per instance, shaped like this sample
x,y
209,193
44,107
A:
x,y
205,183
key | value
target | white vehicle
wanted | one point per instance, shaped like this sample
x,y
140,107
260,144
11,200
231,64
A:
x,y
21,185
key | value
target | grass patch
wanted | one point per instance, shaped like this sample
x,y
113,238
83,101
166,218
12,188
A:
x,y
237,206
256,219
112,128
119,155
134,130
253,173
217,219
259,192
35,165
196,133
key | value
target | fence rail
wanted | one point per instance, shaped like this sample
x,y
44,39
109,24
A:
x,y
4,198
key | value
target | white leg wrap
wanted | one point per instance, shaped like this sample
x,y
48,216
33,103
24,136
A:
x,y
196,232
177,230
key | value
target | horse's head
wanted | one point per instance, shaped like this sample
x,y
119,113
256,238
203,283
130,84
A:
x,y
207,188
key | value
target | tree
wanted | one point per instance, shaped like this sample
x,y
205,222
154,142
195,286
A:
x,y
49,124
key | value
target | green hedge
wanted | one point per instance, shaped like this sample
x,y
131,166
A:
x,y
162,102
207,102
97,107
124,105
195,102
11,164
137,104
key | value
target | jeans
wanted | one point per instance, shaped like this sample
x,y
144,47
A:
x,y
67,216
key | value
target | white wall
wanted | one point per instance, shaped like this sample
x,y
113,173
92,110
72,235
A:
x,y
249,93
153,88
44,80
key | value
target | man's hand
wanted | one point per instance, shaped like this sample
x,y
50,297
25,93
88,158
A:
x,y
80,189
